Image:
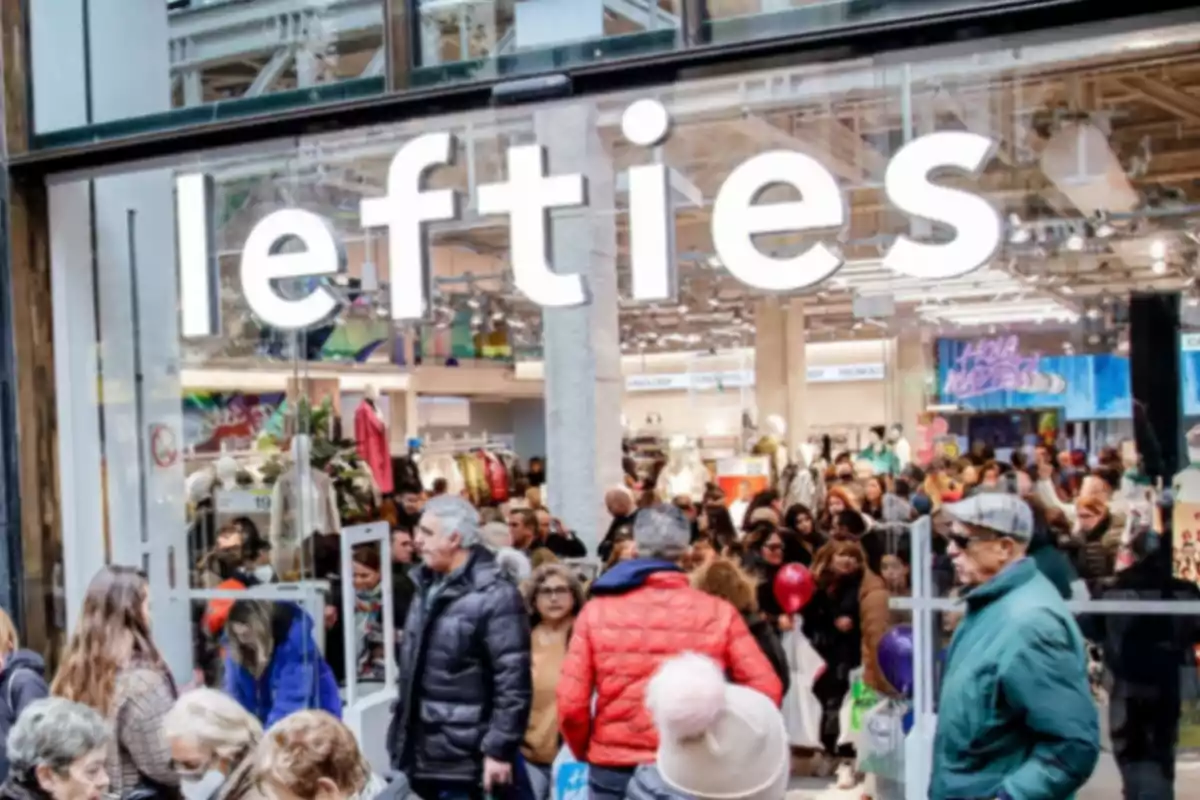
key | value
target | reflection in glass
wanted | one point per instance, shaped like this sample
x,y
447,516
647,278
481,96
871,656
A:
x,y
223,50
748,19
482,38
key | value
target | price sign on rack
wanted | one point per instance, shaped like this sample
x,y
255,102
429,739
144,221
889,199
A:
x,y
243,501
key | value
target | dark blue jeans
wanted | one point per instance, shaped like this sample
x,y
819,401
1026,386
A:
x,y
429,790
609,783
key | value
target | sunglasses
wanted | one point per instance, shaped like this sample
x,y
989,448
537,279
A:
x,y
962,540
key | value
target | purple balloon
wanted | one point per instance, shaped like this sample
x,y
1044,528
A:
x,y
896,658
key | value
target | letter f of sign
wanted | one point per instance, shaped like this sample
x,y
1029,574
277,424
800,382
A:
x,y
404,210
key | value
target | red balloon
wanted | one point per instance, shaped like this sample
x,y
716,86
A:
x,y
794,587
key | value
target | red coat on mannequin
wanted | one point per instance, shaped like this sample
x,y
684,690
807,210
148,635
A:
x,y
370,436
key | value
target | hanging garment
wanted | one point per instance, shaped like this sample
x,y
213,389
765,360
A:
x,y
475,478
371,440
406,477
298,492
497,477
441,466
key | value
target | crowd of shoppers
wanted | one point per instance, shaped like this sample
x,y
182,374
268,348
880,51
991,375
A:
x,y
664,670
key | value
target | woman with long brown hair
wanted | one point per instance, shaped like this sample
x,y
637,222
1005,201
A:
x,y
845,621
112,665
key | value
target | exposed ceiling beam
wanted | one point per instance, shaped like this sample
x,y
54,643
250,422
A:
x,y
1168,98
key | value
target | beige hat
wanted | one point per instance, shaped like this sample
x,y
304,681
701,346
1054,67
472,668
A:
x,y
717,741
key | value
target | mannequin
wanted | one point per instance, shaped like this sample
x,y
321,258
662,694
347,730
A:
x,y
684,473
771,444
900,445
371,439
303,502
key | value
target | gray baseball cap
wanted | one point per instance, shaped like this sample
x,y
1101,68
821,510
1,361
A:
x,y
1005,514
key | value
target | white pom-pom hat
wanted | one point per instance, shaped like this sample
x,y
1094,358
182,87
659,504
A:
x,y
716,741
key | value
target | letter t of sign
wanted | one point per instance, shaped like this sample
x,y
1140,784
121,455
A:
x,y
527,197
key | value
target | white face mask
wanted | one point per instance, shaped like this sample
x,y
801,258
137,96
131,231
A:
x,y
265,573
203,787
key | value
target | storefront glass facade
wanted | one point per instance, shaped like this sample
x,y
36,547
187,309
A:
x,y
962,242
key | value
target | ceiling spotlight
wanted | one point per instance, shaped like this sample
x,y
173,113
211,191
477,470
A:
x,y
1093,313
472,302
1159,267
1104,230
1158,250
1193,301
714,262
1075,242
476,320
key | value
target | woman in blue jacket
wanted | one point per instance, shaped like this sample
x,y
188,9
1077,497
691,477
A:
x,y
273,666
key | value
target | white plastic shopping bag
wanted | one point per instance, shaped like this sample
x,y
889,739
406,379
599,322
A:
x,y
569,776
881,742
801,708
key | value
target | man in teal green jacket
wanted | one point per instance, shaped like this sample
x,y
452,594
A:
x,y
1015,719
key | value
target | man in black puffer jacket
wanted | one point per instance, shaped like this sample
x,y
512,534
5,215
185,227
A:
x,y
465,680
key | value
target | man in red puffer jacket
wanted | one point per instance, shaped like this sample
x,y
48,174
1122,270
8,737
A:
x,y
642,613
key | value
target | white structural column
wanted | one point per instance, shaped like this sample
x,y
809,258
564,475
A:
x,y
781,367
582,345
913,379
116,335
797,375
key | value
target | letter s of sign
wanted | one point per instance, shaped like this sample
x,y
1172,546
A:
x,y
978,225
736,219
262,263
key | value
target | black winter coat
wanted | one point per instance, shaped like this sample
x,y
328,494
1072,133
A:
x,y
465,675
763,631
22,681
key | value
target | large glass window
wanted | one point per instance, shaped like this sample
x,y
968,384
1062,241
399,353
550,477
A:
x,y
729,20
810,279
462,40
195,61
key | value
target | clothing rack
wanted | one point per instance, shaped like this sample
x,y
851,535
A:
x,y
463,444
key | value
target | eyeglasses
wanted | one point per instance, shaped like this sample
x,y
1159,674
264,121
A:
x,y
554,591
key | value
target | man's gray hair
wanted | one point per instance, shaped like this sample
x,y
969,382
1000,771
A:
x,y
662,531
456,515
53,732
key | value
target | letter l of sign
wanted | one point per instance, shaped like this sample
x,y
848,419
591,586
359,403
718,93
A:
x,y
403,210
200,312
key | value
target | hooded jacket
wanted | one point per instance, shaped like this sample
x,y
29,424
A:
x,y
466,684
642,613
297,676
22,681
1016,717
